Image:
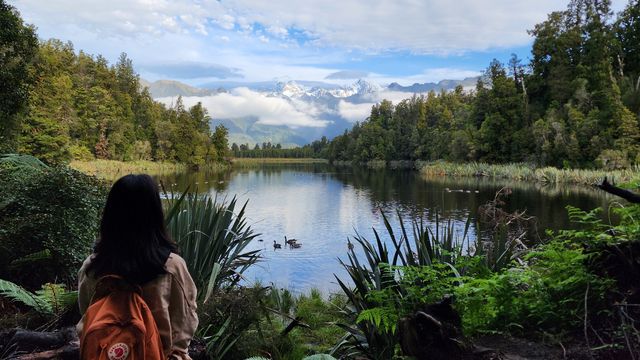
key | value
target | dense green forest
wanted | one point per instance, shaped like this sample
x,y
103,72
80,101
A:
x,y
575,104
59,104
316,149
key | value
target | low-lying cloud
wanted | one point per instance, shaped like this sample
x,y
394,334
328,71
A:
x,y
243,102
354,112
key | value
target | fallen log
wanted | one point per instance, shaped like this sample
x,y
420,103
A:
x,y
614,190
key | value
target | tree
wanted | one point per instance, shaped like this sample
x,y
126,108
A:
x,y
18,46
220,141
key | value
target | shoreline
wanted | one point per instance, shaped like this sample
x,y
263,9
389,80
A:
x,y
110,169
524,172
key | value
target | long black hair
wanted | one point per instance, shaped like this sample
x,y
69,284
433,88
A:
x,y
133,241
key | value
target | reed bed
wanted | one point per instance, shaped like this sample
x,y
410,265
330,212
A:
x,y
525,172
111,169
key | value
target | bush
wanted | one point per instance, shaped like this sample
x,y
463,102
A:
x,y
546,294
80,152
49,217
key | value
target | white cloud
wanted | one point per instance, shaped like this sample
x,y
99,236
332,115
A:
x,y
243,102
354,112
428,26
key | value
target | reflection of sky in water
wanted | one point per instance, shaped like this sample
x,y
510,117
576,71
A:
x,y
321,207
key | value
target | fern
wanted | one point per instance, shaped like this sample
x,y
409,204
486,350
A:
x,y
58,298
22,161
36,256
50,300
382,318
18,293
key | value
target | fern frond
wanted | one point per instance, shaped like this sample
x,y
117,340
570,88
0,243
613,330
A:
x,y
36,256
23,161
57,297
18,293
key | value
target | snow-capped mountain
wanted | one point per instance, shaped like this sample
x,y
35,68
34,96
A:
x,y
292,89
297,112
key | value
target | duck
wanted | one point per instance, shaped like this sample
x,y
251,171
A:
x,y
290,242
260,240
295,245
276,245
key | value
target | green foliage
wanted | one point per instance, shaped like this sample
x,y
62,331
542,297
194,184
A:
x,y
58,104
18,46
546,294
415,286
51,300
426,258
212,239
227,316
526,172
48,217
316,150
562,109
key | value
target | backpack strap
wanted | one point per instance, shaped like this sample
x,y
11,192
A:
x,y
109,284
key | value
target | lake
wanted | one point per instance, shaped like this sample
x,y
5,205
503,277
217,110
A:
x,y
322,206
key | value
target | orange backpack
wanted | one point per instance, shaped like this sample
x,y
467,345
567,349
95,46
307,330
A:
x,y
118,324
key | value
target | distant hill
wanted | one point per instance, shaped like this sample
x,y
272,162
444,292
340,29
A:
x,y
247,130
169,88
467,83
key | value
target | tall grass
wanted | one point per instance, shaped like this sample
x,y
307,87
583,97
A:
x,y
113,169
524,172
212,236
420,246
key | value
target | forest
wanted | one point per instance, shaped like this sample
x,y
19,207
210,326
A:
x,y
575,104
60,104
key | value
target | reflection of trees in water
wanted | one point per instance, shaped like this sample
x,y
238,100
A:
x,y
411,191
414,194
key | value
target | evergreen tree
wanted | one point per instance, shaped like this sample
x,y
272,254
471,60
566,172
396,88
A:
x,y
18,46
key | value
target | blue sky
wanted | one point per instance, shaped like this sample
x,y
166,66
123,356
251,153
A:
x,y
200,41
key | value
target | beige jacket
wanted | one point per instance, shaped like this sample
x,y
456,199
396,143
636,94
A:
x,y
171,298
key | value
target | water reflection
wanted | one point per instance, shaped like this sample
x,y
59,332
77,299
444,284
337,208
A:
x,y
322,206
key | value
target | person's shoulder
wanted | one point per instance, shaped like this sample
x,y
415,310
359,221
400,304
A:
x,y
175,264
86,263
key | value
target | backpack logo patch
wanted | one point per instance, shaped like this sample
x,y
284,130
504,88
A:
x,y
118,351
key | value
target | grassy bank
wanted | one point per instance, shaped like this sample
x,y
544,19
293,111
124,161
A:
x,y
112,169
523,172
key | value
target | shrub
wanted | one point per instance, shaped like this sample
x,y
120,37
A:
x,y
546,294
80,152
49,217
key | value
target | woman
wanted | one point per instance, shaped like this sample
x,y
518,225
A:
x,y
134,244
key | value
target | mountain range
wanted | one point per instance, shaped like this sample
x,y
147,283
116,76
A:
x,y
291,113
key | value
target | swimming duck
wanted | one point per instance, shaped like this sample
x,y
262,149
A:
x,y
290,241
295,245
276,245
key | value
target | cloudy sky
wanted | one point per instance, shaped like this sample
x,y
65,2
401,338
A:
x,y
202,41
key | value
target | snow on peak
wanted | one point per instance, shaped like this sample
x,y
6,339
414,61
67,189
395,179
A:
x,y
360,87
290,89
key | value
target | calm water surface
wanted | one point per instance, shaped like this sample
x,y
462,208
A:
x,y
322,206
